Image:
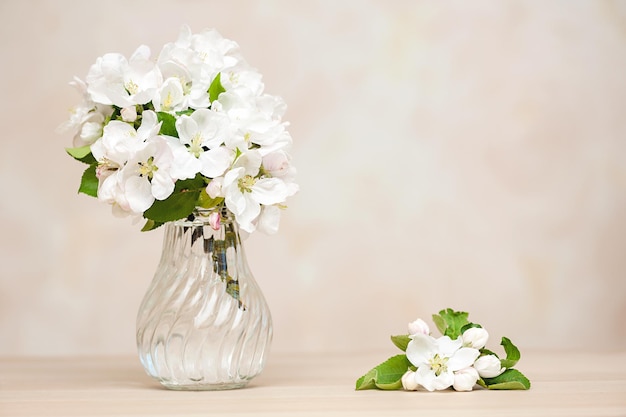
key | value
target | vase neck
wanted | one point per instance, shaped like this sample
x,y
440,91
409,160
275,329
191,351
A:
x,y
199,233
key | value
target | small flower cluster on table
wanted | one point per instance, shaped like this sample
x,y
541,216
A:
x,y
192,128
458,359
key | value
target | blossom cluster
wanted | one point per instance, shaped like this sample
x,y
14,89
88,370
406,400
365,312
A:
x,y
192,122
458,359
443,363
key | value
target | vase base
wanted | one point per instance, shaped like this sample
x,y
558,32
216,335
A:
x,y
204,387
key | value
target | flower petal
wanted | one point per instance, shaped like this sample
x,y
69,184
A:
x,y
463,358
421,349
216,161
269,191
447,346
427,378
138,193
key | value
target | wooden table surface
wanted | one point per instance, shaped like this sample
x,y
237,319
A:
x,y
314,384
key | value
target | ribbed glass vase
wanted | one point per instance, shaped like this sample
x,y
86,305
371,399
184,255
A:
x,y
204,323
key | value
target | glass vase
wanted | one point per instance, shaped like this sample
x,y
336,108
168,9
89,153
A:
x,y
203,323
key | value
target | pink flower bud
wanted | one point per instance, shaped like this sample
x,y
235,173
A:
x,y
418,326
129,114
214,189
215,220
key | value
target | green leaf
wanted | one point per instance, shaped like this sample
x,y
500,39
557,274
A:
x,y
179,205
168,124
469,326
509,379
216,88
82,154
450,322
440,323
401,341
205,200
89,182
386,376
512,353
185,112
151,225
485,351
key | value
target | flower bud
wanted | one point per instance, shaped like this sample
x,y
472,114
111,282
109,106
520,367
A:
x,y
90,132
488,366
418,326
129,114
214,189
215,220
475,337
465,379
408,381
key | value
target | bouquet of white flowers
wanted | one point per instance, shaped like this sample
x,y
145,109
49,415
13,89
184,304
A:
x,y
192,129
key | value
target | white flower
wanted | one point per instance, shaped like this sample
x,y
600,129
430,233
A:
x,y
268,220
465,379
418,326
87,119
146,176
244,192
200,137
488,366
408,381
178,60
437,360
120,82
250,125
475,337
170,97
217,53
120,141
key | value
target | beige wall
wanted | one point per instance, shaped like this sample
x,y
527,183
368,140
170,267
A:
x,y
450,154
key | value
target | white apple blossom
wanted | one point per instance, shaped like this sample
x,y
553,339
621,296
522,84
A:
x,y
117,81
146,176
87,119
217,53
111,191
244,195
180,62
437,360
475,337
200,137
170,96
251,126
243,81
418,326
488,366
269,219
120,141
